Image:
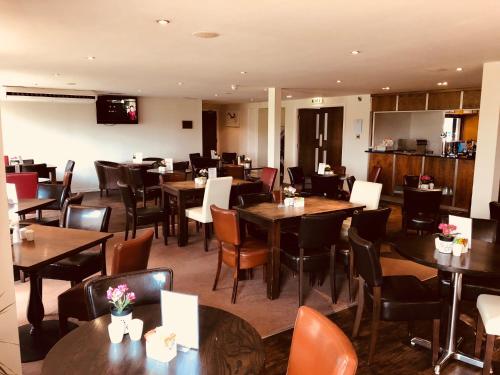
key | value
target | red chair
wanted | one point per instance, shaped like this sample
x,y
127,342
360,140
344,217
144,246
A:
x,y
26,184
267,177
6,160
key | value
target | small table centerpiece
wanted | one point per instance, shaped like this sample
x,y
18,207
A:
x,y
121,300
444,240
202,177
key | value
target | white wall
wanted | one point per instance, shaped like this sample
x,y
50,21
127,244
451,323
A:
x,y
55,132
393,125
10,358
487,166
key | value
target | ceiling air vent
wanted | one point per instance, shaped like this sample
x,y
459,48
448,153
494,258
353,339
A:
x,y
47,95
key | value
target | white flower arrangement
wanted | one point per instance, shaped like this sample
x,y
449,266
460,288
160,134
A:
x,y
289,191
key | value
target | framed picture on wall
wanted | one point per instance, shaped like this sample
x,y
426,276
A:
x,y
232,119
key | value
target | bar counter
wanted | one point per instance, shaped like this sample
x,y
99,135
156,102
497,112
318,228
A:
x,y
454,173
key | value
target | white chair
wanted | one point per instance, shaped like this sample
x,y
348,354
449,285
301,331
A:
x,y
489,321
366,193
217,191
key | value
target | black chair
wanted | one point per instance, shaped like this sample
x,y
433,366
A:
x,y
88,262
143,183
249,199
41,169
147,286
49,191
495,211
411,181
313,250
243,189
181,166
141,216
156,161
108,174
394,298
350,182
192,156
203,163
297,178
28,161
229,157
327,186
421,209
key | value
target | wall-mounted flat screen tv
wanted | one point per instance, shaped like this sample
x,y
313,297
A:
x,y
112,109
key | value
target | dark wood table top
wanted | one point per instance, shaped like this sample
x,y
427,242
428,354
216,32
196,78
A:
x,y
190,185
157,171
312,205
24,206
483,259
228,345
52,244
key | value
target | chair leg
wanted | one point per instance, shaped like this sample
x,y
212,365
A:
x,y
100,192
217,274
488,354
359,309
134,229
107,193
156,229
164,228
264,272
235,283
333,286
301,277
205,236
127,224
22,276
435,340
375,322
479,337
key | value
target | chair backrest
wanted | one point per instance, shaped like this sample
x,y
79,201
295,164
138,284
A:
x,y
152,159
10,169
423,201
320,231
28,161
6,160
235,171
411,181
268,176
53,191
226,225
132,255
99,168
325,185
26,184
366,258
375,173
296,175
366,193
245,200
87,218
228,157
204,163
371,224
41,169
495,210
339,169
146,284
243,189
194,155
319,347
485,230
217,191
350,182
76,199
180,165
67,179
70,165
129,198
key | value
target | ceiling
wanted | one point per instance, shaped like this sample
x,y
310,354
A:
x,y
304,47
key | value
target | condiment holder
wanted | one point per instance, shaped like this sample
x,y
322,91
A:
x,y
161,344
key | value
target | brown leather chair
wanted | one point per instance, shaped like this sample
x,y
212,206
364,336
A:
x,y
421,209
129,256
229,157
350,182
108,174
268,176
375,173
87,300
495,210
411,181
394,298
324,185
41,169
235,171
88,262
339,169
142,183
141,216
233,251
319,347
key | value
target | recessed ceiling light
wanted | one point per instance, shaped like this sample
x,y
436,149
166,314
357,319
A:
x,y
139,90
57,74
339,81
386,88
216,94
289,96
459,69
71,83
180,83
355,52
444,83
90,57
205,34
234,87
251,99
162,21
243,72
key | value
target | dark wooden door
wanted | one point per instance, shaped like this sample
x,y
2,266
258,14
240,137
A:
x,y
320,137
209,132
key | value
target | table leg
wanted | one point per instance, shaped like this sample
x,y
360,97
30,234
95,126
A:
x,y
166,209
182,233
53,177
35,311
273,274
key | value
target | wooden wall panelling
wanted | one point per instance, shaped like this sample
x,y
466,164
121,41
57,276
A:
x,y
472,99
443,171
412,101
463,190
385,161
383,103
406,165
444,100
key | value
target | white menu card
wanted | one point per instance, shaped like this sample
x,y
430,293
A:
x,y
11,193
212,172
464,227
321,168
169,164
179,313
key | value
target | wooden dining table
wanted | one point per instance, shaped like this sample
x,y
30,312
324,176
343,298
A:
x,y
182,191
50,168
51,244
24,206
274,216
228,345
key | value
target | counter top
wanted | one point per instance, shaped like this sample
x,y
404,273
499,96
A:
x,y
418,154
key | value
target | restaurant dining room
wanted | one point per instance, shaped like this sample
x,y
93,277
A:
x,y
249,187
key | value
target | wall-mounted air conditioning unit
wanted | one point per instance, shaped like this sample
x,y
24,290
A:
x,y
35,94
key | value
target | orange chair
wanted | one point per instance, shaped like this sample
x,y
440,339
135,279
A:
x,y
267,177
319,347
26,184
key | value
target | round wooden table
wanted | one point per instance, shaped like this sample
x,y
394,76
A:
x,y
228,345
483,259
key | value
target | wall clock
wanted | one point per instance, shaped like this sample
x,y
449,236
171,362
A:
x,y
232,119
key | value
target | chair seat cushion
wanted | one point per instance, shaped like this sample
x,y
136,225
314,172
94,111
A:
x,y
195,213
81,259
149,214
71,303
407,298
253,253
489,309
313,258
472,286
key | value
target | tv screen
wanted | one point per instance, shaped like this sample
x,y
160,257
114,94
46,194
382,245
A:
x,y
117,110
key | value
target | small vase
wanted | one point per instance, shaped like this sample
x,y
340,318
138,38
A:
x,y
200,180
444,244
123,317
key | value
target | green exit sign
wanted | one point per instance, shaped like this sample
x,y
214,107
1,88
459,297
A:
x,y
318,100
